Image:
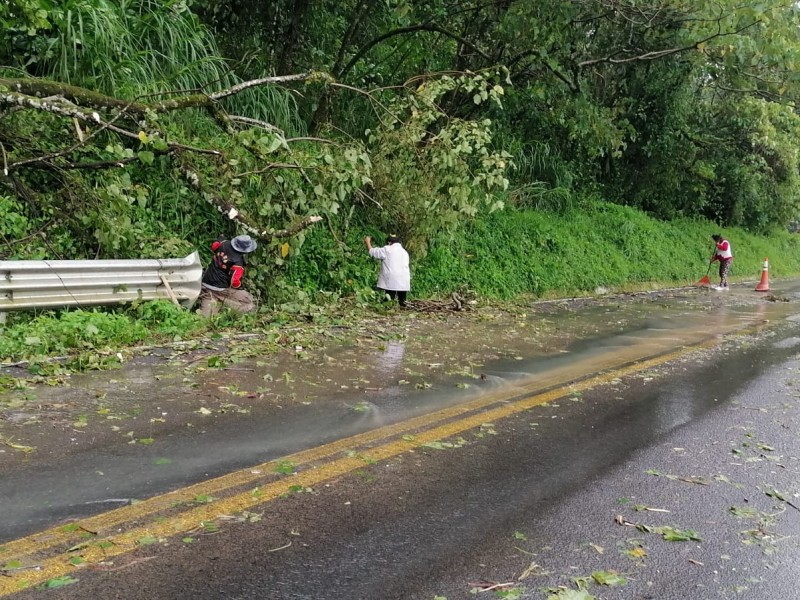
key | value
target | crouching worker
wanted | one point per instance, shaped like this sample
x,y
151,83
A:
x,y
222,280
395,277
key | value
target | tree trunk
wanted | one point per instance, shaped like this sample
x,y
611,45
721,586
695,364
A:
x,y
292,35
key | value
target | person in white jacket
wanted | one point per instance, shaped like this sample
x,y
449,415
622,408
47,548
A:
x,y
395,276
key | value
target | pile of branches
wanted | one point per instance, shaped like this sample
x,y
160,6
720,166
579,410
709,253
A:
x,y
456,303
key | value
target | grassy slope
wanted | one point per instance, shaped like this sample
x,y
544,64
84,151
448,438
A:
x,y
515,252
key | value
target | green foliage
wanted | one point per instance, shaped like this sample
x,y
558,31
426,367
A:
x,y
13,224
80,329
84,330
683,110
512,252
129,48
164,318
431,171
326,264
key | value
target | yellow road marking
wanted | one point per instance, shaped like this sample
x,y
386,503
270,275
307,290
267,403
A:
x,y
249,476
190,520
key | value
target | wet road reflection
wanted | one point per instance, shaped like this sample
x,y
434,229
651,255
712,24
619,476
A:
x,y
400,380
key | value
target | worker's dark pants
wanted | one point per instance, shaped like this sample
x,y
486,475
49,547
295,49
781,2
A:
x,y
724,269
401,296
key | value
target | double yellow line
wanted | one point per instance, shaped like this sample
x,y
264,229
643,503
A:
x,y
120,531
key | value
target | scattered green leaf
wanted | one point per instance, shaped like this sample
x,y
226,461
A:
x,y
58,582
609,578
147,540
286,467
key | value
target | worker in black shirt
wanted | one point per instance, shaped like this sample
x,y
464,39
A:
x,y
222,280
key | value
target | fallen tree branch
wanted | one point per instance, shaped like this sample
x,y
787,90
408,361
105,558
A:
x,y
38,88
269,168
234,214
457,304
255,123
293,230
56,106
64,108
89,166
82,140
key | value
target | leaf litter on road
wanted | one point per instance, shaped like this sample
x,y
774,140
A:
x,y
668,533
693,479
609,578
533,569
644,507
569,594
58,582
775,494
9,441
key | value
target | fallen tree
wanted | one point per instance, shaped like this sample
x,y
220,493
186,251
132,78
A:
x,y
132,120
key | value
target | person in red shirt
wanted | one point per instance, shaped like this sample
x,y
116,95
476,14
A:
x,y
222,280
724,254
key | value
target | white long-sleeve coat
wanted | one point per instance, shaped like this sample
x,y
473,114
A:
x,y
395,272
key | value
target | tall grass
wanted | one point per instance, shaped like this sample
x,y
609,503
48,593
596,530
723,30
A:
x,y
129,48
93,330
542,180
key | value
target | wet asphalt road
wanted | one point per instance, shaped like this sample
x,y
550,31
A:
x,y
90,471
530,502
539,495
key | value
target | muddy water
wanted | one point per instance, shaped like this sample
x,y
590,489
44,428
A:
x,y
171,418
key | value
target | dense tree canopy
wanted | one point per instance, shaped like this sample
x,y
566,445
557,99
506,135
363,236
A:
x,y
135,127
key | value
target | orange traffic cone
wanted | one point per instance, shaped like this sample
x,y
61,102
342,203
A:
x,y
763,285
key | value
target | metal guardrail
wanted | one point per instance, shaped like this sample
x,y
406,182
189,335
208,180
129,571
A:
x,y
27,284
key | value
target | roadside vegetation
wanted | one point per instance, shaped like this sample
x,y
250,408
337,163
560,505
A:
x,y
513,253
507,259
518,148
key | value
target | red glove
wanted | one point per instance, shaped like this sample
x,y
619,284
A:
x,y
236,278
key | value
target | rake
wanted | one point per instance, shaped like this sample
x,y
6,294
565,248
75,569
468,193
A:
x,y
704,281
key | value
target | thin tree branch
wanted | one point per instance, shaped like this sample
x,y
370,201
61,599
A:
x,y
311,139
656,54
82,142
362,9
429,27
293,230
89,166
271,167
5,160
215,96
255,123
